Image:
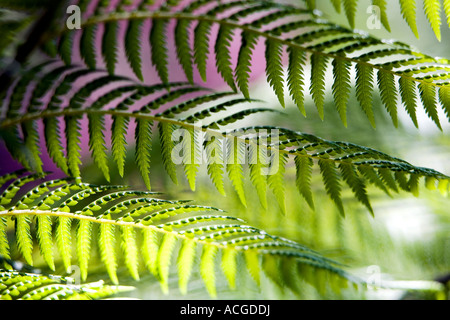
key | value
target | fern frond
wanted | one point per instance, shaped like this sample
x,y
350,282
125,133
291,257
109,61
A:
x,y
226,151
16,285
159,50
252,20
432,10
408,9
341,87
163,227
350,7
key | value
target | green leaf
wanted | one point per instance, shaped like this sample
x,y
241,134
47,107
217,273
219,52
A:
x,y
143,148
159,49
428,97
331,182
44,235
350,11
130,250
184,52
341,87
223,56
303,178
408,9
207,269
274,68
295,79
64,241
87,46
164,258
433,12
364,90
97,143
318,69
133,46
109,46
185,264
243,66
388,94
106,242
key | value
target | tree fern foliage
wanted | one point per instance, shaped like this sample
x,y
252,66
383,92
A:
x,y
74,100
194,133
15,285
284,29
431,8
143,232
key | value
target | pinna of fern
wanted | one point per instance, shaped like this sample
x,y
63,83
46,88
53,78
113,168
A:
x,y
151,231
408,9
397,70
227,148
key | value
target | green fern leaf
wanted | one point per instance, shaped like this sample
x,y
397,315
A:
x,y
87,46
118,145
295,79
24,240
444,98
408,9
143,148
65,47
130,251
356,184
432,10
83,243
109,46
64,241
303,178
428,97
207,269
167,145
350,11
17,285
235,154
336,5
4,245
331,181
274,68
259,179
214,154
243,66
229,266
44,235
202,33
185,264
318,69
97,143
252,263
276,178
184,51
447,10
73,144
341,87
150,247
158,48
409,98
133,47
223,58
364,88
381,4
164,258
388,94
107,251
